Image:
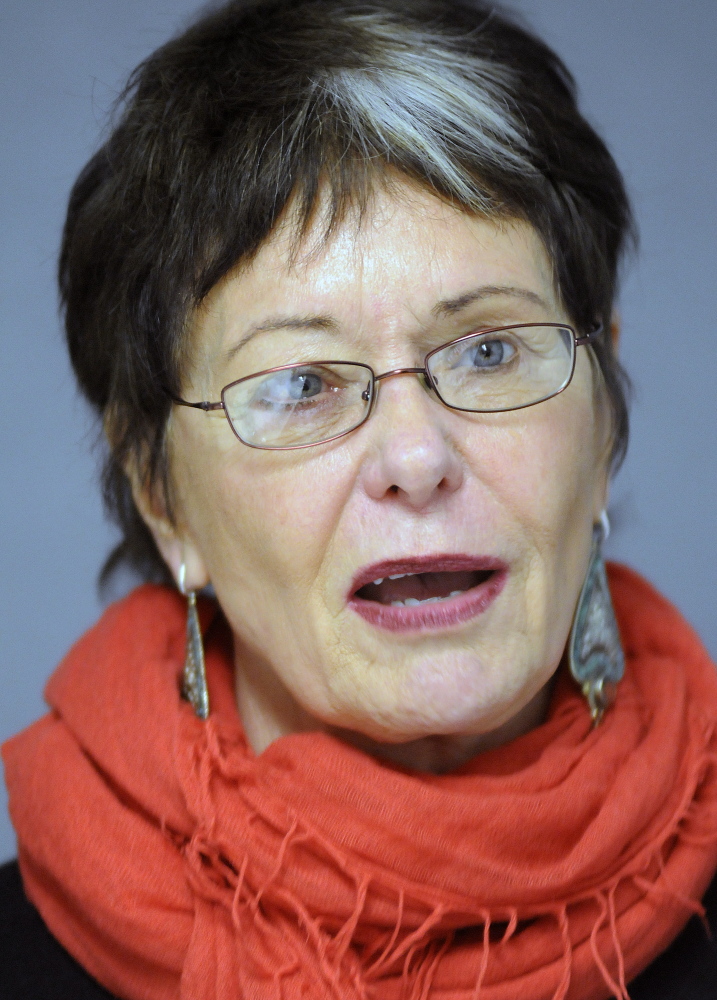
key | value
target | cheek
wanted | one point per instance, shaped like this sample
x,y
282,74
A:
x,y
544,464
546,475
262,522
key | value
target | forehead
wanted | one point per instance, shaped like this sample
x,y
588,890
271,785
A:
x,y
387,266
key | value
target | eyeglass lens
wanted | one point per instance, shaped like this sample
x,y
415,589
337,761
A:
x,y
302,404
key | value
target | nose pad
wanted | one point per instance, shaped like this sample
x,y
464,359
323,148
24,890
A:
x,y
424,378
413,457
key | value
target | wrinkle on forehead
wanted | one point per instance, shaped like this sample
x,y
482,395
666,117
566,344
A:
x,y
294,251
301,241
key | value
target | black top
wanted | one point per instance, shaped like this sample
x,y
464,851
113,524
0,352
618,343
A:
x,y
33,966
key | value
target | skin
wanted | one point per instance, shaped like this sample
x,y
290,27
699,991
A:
x,y
281,534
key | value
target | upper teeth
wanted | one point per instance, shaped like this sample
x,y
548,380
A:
x,y
412,602
398,576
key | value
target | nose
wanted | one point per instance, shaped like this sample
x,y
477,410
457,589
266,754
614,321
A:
x,y
413,456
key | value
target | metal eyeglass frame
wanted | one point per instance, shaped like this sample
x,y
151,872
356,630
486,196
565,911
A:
x,y
370,394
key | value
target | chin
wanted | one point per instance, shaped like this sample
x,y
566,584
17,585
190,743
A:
x,y
445,694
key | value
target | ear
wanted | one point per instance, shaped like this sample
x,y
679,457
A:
x,y
171,537
601,496
615,330
602,483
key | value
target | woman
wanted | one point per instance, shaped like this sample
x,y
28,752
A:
x,y
341,286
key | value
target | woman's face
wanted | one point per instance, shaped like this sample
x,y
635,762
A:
x,y
496,506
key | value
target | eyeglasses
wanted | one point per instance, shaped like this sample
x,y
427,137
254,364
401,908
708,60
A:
x,y
301,405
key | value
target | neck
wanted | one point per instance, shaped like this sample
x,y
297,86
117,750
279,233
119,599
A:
x,y
442,753
269,711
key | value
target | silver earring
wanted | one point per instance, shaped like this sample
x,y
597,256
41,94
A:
x,y
595,654
194,678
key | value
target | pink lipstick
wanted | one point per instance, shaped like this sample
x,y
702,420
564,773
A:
x,y
426,592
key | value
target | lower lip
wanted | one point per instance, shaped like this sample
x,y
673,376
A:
x,y
432,617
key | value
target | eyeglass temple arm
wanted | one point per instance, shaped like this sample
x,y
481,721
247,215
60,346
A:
x,y
590,336
204,405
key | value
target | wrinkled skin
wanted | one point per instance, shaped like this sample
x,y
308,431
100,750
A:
x,y
281,535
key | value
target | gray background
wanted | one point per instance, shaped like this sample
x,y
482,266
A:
x,y
647,71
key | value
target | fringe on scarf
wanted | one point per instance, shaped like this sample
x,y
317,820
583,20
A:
x,y
277,939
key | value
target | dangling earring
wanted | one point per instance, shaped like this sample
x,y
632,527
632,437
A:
x,y
194,678
595,654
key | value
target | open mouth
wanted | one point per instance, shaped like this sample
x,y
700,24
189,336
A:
x,y
405,590
433,592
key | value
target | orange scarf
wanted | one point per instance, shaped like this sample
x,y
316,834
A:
x,y
173,862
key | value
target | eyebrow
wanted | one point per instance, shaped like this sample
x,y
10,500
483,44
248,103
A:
x,y
284,323
447,307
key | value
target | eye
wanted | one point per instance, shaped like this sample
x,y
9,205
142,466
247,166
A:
x,y
487,354
303,385
291,386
